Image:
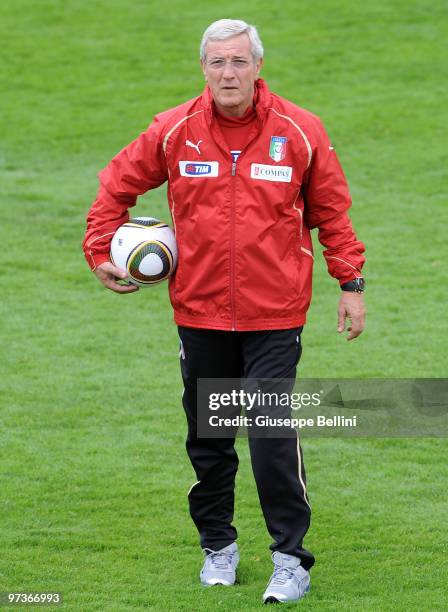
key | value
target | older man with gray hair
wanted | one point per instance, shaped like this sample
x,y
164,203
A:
x,y
249,175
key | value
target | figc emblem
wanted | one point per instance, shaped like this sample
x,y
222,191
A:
x,y
277,150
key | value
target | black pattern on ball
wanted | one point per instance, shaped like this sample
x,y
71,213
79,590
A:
x,y
145,223
143,249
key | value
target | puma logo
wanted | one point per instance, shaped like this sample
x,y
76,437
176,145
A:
x,y
188,143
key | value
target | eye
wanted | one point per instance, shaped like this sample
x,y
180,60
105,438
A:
x,y
218,63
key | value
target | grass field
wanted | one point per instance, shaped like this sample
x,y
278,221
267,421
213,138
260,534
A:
x,y
92,463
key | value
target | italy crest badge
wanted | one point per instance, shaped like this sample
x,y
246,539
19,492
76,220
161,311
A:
x,y
277,149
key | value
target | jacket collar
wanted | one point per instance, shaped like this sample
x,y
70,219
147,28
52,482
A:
x,y
262,100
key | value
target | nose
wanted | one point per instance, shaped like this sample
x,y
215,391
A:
x,y
229,71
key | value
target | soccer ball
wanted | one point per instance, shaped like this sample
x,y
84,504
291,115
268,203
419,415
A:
x,y
146,248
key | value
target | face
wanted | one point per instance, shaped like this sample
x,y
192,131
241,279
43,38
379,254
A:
x,y
230,71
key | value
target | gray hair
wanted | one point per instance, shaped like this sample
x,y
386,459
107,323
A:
x,y
228,28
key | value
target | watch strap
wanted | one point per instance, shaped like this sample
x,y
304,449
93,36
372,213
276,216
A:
x,y
356,285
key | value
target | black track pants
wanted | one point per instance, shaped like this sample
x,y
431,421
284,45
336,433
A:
x,y
277,463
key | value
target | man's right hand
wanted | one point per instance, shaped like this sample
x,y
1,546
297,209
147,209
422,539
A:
x,y
108,275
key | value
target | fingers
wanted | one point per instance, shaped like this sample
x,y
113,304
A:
x,y
107,269
117,288
341,320
356,328
357,325
351,306
118,272
108,275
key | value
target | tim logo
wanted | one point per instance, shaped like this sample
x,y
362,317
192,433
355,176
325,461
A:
x,y
199,169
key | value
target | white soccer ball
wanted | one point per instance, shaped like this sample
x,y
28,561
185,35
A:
x,y
146,248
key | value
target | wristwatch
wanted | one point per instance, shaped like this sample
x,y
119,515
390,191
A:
x,y
356,285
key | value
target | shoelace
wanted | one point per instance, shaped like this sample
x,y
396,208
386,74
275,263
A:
x,y
219,559
281,575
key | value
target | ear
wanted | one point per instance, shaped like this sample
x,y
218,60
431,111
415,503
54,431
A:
x,y
203,68
259,65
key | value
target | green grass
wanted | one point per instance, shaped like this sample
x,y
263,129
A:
x,y
93,470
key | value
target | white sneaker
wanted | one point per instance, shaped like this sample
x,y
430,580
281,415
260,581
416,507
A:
x,y
220,566
289,582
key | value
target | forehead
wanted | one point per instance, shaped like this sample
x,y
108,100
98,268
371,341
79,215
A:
x,y
235,46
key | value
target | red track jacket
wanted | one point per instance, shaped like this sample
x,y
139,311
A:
x,y
242,228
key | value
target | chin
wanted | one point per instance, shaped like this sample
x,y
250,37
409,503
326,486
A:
x,y
230,101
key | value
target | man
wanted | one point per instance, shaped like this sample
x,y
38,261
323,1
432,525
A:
x,y
249,175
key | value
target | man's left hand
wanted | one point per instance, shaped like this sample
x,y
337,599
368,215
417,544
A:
x,y
351,306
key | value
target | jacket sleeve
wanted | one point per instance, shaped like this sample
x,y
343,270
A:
x,y
137,168
327,200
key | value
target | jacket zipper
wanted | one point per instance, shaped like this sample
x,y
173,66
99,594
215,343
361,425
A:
x,y
232,233
232,248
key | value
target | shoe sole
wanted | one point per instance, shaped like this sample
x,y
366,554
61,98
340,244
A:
x,y
274,600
